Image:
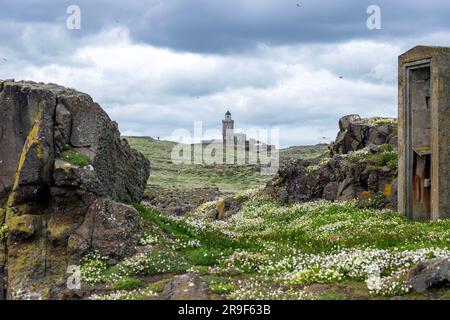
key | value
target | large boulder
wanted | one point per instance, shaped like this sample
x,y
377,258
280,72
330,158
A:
x,y
188,286
430,274
63,168
108,227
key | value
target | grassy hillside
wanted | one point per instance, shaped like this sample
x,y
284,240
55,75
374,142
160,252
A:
x,y
229,179
303,152
164,173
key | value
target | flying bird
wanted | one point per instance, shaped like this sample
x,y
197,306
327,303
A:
x,y
341,77
298,5
4,59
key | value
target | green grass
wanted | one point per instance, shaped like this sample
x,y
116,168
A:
x,y
127,284
205,256
386,157
73,157
158,286
303,152
183,231
220,285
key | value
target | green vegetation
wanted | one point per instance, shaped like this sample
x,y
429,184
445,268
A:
x,y
230,179
267,251
304,152
73,157
3,232
220,285
127,283
380,121
158,286
385,157
358,156
377,201
93,268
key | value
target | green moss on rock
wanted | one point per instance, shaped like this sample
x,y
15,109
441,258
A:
x,y
77,159
23,226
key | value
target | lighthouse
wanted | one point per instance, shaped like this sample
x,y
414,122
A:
x,y
227,125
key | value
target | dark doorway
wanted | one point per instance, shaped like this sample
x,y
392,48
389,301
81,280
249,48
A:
x,y
418,142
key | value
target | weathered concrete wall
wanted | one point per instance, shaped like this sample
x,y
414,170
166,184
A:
x,y
441,136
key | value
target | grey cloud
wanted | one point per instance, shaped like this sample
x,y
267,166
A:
x,y
283,62
240,25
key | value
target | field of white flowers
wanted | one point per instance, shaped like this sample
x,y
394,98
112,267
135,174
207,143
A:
x,y
317,250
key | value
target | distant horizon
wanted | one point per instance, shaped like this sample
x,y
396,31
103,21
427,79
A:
x,y
281,146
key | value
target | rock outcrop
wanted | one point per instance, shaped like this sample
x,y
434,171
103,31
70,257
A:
x,y
178,202
188,286
63,171
361,165
356,133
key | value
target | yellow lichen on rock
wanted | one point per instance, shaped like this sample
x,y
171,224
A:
x,y
2,215
25,261
24,225
32,140
387,192
56,230
366,194
220,208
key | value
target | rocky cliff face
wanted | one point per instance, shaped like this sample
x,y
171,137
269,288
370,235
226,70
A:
x,y
64,174
361,164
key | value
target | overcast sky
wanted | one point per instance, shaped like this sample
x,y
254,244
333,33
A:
x,y
157,66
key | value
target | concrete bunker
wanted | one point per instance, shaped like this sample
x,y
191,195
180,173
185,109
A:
x,y
424,103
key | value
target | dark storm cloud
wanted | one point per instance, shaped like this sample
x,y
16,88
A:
x,y
237,25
